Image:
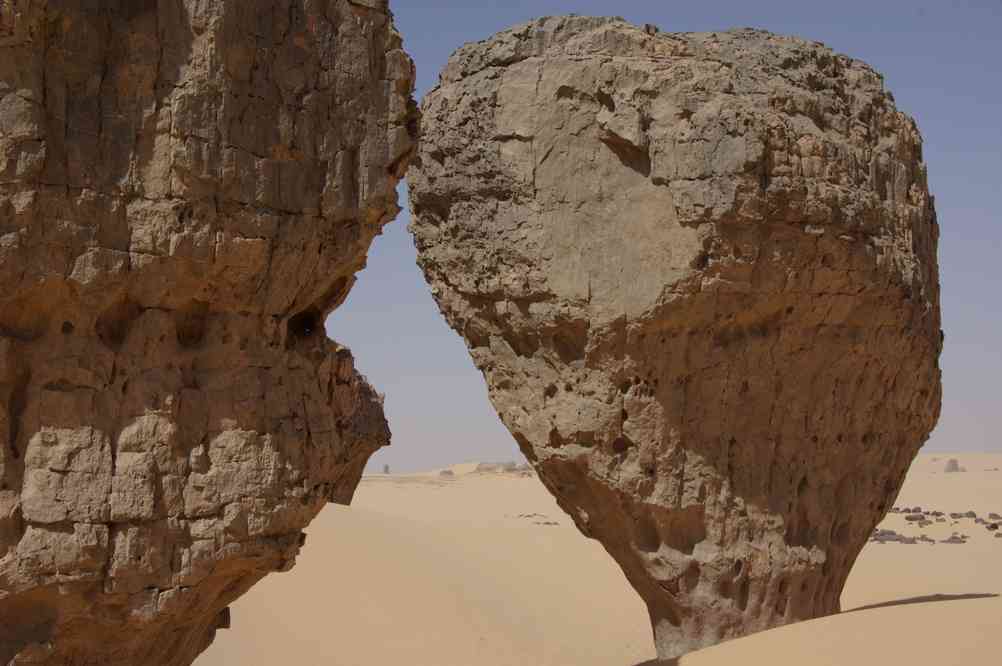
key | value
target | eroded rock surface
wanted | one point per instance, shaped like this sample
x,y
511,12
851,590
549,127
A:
x,y
187,188
699,274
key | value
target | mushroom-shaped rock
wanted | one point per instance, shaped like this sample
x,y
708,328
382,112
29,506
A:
x,y
187,188
698,272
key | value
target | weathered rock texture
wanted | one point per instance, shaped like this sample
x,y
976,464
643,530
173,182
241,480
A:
x,y
187,188
699,274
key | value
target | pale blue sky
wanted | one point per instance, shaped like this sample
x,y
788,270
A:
x,y
943,62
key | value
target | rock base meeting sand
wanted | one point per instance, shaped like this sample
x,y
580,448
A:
x,y
485,569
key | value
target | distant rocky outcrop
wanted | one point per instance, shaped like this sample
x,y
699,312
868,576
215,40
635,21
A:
x,y
187,189
510,467
699,274
953,466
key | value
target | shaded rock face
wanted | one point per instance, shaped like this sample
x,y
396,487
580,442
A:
x,y
187,189
699,274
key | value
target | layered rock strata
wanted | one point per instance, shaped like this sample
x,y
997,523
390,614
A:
x,y
187,189
698,272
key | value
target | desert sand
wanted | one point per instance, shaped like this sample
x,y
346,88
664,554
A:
x,y
484,569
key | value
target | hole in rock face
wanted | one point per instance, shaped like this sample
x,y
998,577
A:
x,y
303,326
743,593
67,327
800,532
782,604
190,323
570,347
523,345
16,404
684,528
646,535
701,261
631,157
605,99
691,579
112,326
621,444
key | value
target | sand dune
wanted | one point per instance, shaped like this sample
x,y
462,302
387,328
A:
x,y
484,569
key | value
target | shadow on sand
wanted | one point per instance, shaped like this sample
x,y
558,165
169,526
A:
x,y
929,598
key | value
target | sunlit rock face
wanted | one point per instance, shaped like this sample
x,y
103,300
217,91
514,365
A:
x,y
187,189
698,272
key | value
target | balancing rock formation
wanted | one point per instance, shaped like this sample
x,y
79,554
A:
x,y
699,274
187,188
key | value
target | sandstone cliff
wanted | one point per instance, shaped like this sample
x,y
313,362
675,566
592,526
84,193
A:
x,y
187,189
699,274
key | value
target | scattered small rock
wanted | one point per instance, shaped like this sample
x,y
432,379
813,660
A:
x,y
447,473
890,536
